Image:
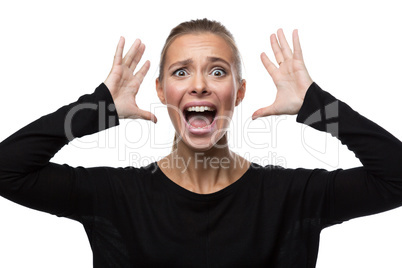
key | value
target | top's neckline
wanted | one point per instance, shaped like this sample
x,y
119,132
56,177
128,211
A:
x,y
204,197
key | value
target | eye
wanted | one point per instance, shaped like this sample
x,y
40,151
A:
x,y
218,72
180,72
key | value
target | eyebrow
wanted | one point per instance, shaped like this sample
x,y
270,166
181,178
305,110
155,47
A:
x,y
190,61
215,59
181,63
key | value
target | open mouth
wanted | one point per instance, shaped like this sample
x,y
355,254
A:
x,y
199,116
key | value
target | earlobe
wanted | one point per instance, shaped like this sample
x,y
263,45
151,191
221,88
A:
x,y
159,91
241,92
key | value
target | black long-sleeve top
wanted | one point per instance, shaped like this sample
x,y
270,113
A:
x,y
270,217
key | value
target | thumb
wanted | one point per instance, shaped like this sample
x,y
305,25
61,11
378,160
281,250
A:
x,y
146,116
266,111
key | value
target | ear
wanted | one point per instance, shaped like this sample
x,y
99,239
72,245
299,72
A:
x,y
159,91
241,92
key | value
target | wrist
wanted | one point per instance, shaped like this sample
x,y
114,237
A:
x,y
110,87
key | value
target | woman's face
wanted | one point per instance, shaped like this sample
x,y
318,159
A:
x,y
200,88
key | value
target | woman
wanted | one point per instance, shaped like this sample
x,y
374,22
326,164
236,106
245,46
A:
x,y
202,205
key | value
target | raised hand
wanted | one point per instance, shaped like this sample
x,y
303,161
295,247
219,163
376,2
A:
x,y
124,85
290,77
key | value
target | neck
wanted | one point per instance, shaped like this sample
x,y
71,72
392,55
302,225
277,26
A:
x,y
204,171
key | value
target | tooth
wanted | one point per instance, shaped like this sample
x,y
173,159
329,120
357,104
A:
x,y
199,109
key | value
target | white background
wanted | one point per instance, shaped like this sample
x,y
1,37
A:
x,y
52,53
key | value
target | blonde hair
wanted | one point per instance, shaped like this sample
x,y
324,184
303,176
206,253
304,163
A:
x,y
200,26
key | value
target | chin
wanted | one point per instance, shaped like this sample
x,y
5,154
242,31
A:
x,y
202,144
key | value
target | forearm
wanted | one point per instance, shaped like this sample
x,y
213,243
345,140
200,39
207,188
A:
x,y
378,150
35,144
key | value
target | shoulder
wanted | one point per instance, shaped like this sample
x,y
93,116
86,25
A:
x,y
116,175
295,178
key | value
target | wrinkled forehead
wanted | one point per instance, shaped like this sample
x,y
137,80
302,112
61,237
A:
x,y
198,47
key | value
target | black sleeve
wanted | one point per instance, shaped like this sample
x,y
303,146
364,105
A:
x,y
26,175
375,187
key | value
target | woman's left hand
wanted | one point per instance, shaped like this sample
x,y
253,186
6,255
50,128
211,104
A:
x,y
290,77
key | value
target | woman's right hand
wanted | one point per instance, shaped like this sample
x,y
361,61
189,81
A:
x,y
124,85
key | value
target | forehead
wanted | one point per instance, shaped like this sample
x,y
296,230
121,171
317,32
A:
x,y
192,46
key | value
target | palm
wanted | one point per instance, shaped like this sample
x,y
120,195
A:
x,y
290,78
124,85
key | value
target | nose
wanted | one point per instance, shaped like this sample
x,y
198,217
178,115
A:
x,y
199,85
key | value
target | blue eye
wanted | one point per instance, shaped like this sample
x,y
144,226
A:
x,y
218,72
180,72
